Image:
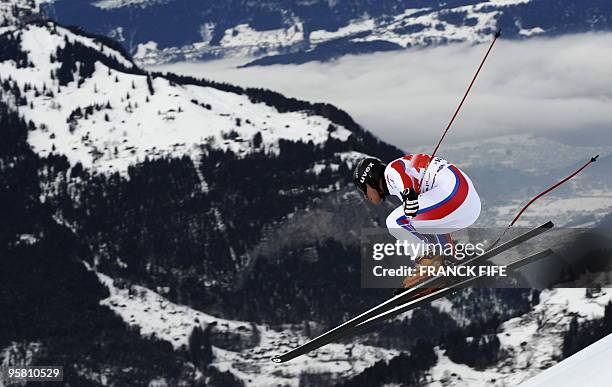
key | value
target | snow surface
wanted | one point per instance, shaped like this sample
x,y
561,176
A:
x,y
7,7
110,4
589,368
531,31
434,29
18,354
409,27
428,26
240,40
532,341
354,27
157,316
175,119
244,36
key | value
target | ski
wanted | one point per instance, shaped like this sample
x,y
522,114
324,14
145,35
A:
x,y
442,292
403,298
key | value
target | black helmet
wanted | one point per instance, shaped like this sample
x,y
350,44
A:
x,y
368,171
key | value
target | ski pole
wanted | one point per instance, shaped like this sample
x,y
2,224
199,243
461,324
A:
x,y
518,215
482,62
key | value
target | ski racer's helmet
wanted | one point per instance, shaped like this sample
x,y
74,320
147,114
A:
x,y
368,171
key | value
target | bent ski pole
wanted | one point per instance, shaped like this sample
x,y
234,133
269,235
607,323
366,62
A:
x,y
518,215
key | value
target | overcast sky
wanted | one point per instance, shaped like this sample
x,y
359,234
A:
x,y
559,88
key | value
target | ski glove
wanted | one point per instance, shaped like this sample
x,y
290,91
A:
x,y
411,202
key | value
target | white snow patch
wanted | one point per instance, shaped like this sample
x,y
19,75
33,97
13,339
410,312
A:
x,y
19,354
508,2
21,7
243,35
448,373
352,157
155,315
110,4
408,30
531,31
352,28
317,168
28,239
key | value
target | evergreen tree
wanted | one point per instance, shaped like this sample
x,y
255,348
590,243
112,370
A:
x,y
200,348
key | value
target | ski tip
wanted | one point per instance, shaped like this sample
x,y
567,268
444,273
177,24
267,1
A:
x,y
548,224
594,158
277,359
498,33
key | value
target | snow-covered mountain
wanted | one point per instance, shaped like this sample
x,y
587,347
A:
x,y
191,229
155,315
529,343
276,31
82,124
110,118
89,116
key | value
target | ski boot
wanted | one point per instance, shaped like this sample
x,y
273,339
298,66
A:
x,y
411,281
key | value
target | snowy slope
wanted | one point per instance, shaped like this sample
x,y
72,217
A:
x,y
174,119
589,368
532,341
155,315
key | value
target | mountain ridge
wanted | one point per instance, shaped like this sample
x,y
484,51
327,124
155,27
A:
x,y
279,31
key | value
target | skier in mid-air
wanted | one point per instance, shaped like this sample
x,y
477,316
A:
x,y
437,199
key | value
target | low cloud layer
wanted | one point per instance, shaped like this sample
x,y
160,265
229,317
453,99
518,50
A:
x,y
560,88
